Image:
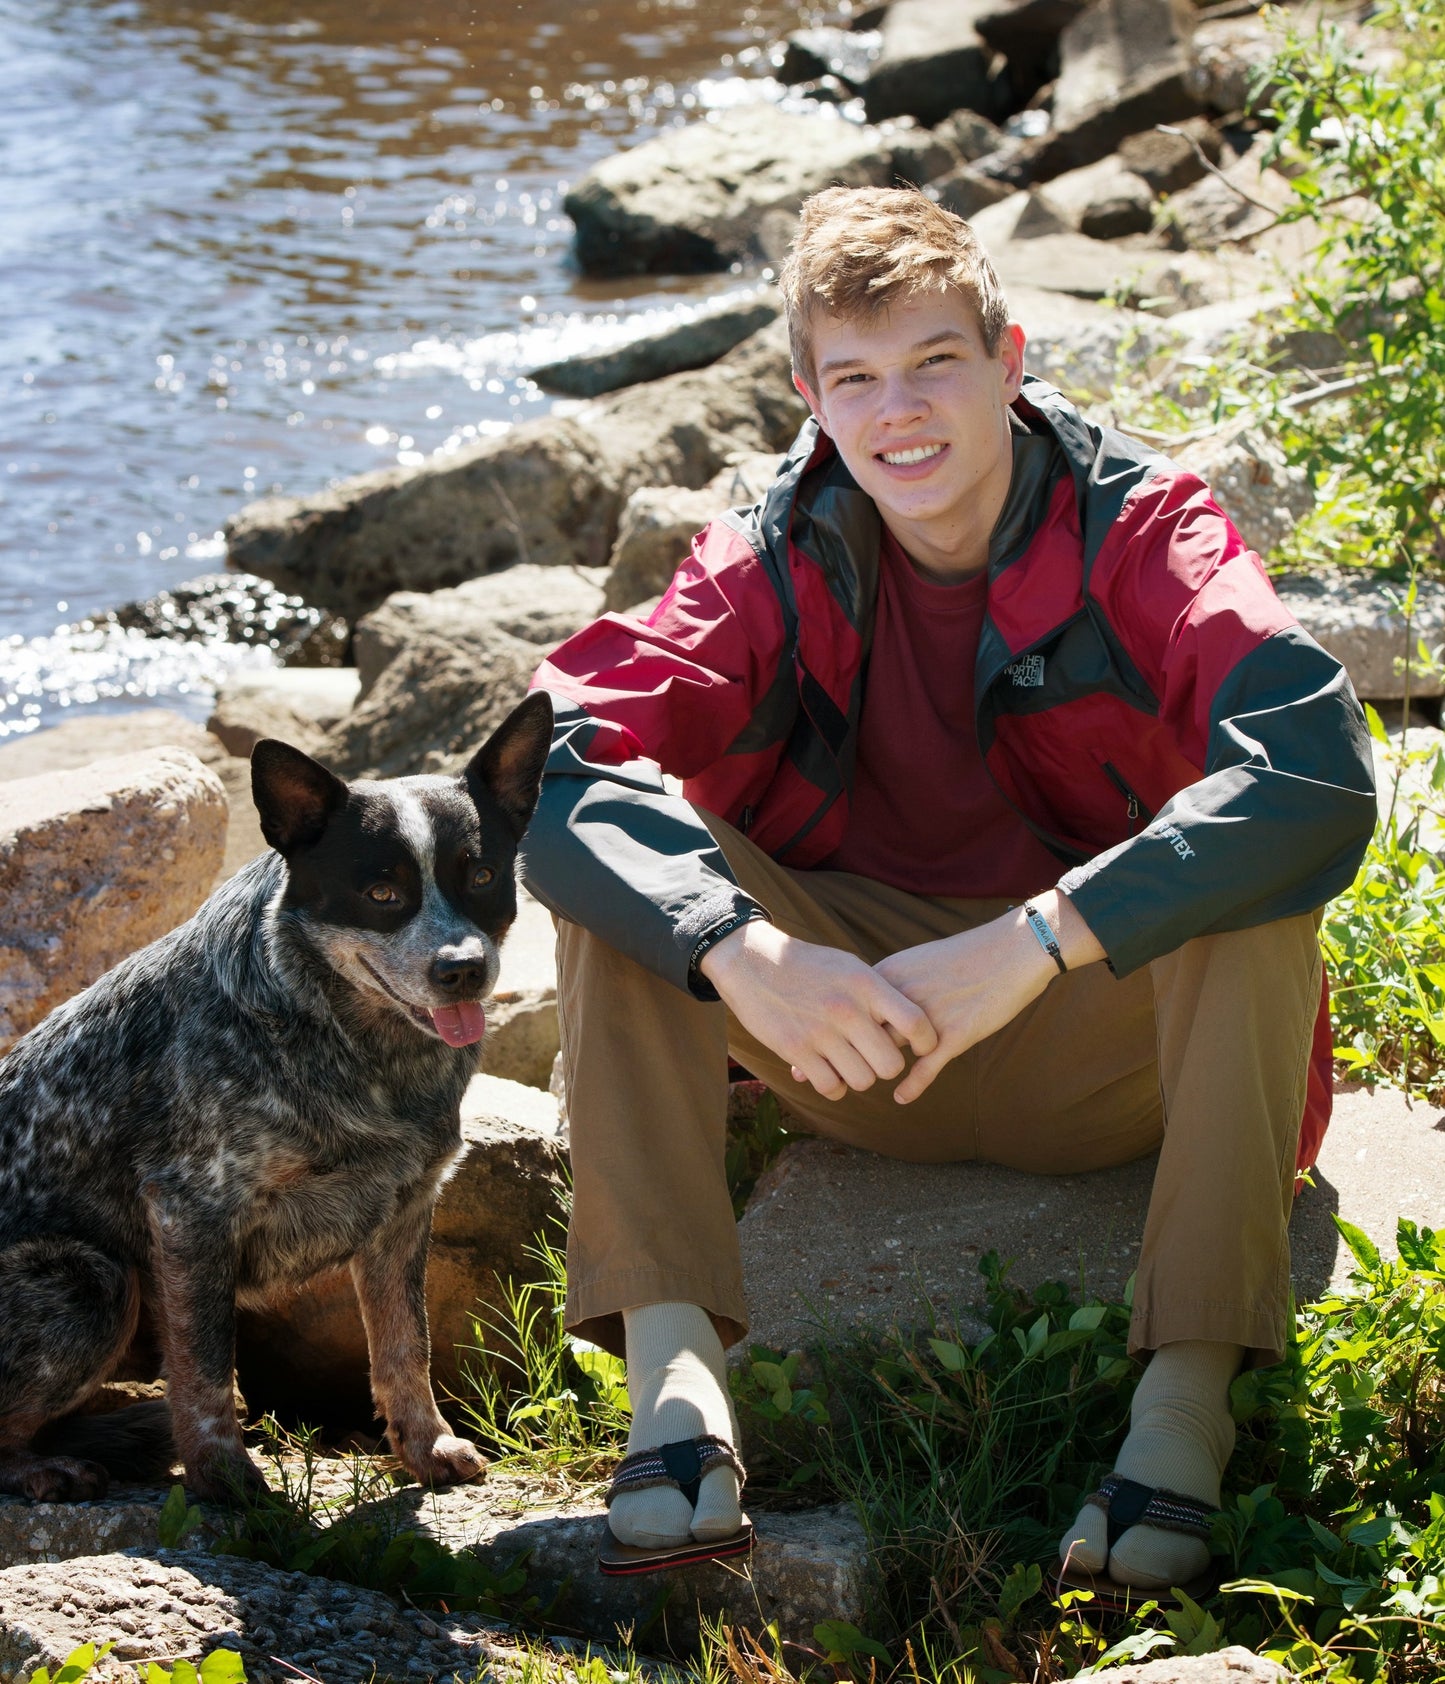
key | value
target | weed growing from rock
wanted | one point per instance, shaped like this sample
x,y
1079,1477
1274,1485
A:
x,y
967,1460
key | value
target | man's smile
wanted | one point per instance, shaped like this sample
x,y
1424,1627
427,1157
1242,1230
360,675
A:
x,y
906,458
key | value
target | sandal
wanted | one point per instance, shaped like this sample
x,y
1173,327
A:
x,y
682,1464
1127,1503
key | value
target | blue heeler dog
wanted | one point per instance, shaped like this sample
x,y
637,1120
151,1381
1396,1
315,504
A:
x,y
269,1091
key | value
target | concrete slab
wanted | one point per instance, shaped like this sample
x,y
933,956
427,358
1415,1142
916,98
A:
x,y
834,1238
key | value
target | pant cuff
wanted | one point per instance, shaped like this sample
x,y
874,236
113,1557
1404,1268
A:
x,y
595,1306
1260,1332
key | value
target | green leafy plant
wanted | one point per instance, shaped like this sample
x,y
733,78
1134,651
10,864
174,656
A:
x,y
359,1536
1357,126
177,1519
1384,945
221,1666
537,1397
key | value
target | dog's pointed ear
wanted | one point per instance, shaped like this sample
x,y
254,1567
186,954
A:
x,y
509,764
294,794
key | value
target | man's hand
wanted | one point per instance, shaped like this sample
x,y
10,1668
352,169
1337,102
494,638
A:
x,y
837,1021
974,983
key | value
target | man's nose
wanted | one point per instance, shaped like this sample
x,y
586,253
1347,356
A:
x,y
901,399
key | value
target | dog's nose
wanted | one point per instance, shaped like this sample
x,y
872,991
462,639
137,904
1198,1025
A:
x,y
464,976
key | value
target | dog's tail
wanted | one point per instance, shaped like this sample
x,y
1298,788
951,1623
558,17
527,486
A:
x,y
133,1443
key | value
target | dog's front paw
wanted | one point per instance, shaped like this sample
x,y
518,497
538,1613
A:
x,y
450,1461
225,1475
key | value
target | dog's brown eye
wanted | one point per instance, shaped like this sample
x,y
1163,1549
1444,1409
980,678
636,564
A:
x,y
383,894
482,876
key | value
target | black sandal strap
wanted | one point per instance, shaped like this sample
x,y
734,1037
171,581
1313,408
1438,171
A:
x,y
682,1463
1127,1503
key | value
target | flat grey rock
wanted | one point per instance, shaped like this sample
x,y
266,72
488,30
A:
x,y
727,188
835,1238
1358,618
694,343
1234,1665
806,1566
932,61
184,1603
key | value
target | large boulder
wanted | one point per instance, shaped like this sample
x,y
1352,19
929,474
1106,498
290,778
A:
x,y
544,491
98,736
700,338
559,482
1252,482
1116,46
932,61
183,1604
440,670
727,188
307,1356
1242,201
540,605
297,704
432,707
1104,200
809,54
1125,65
686,429
807,1565
660,521
1359,618
1169,158
1231,1665
1027,32
1031,245
966,192
95,863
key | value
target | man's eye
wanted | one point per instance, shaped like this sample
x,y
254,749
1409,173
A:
x,y
383,894
482,876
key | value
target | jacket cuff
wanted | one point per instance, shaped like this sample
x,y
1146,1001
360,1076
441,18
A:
x,y
697,983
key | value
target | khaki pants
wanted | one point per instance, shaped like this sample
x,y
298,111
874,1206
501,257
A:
x,y
1203,1054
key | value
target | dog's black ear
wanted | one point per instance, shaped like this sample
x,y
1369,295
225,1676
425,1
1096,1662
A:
x,y
510,762
294,794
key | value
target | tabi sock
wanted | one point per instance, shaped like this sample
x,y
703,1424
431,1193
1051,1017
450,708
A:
x,y
677,1382
1181,1436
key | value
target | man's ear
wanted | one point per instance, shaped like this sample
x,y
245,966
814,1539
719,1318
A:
x,y
509,764
295,795
1011,354
805,392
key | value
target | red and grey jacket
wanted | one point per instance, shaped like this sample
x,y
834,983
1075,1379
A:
x,y
1193,758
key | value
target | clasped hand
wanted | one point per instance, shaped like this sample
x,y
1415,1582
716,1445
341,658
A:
x,y
842,1024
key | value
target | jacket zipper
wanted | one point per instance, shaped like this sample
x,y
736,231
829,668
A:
x,y
1134,807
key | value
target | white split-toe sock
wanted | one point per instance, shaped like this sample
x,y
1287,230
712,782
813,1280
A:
x,y
677,1382
1181,1436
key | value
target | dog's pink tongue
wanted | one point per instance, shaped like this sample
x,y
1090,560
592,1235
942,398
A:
x,y
460,1025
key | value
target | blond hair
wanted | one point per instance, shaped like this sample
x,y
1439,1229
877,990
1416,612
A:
x,y
859,249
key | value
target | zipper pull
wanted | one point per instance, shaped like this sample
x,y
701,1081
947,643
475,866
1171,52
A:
x,y
1133,808
745,819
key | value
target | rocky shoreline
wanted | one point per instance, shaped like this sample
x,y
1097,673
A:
x,y
1109,154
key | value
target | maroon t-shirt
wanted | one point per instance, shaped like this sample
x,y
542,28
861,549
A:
x,y
926,816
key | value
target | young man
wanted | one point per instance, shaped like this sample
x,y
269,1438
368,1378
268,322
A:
x,y
1010,792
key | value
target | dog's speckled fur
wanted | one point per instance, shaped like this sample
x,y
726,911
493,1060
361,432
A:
x,y
256,1097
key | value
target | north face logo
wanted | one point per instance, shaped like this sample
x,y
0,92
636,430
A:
x,y
1027,673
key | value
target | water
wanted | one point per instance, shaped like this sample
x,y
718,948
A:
x,y
258,249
